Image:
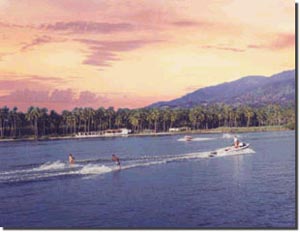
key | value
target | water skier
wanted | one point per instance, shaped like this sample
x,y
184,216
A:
x,y
71,159
236,142
116,159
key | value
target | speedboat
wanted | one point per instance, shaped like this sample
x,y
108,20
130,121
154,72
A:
x,y
240,147
229,150
188,138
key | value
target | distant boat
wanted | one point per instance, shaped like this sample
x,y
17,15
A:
x,y
188,138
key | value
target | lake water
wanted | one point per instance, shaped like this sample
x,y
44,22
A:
x,y
164,183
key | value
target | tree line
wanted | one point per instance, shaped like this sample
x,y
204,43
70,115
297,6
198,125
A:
x,y
39,122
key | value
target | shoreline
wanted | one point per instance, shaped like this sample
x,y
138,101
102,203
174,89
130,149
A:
x,y
191,132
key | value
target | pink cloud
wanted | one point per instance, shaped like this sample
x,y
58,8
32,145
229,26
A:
x,y
103,52
39,40
283,41
11,25
68,99
232,49
100,57
80,27
58,99
61,96
77,5
3,55
16,82
279,41
189,23
255,46
87,98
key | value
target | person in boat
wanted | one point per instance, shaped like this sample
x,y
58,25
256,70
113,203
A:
x,y
236,142
116,159
71,159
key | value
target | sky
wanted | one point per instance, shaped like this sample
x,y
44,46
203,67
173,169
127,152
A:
x,y
62,54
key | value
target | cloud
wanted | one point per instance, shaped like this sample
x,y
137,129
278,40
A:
x,y
283,41
279,41
103,52
232,49
189,23
77,6
68,99
14,81
81,27
89,98
11,25
57,99
3,55
61,96
39,41
100,57
255,46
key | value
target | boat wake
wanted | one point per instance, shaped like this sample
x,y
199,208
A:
x,y
231,136
58,169
195,139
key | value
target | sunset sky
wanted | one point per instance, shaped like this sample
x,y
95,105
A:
x,y
61,54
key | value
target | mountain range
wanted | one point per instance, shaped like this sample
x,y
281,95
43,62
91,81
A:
x,y
248,90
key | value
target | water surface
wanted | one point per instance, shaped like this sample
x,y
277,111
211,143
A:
x,y
164,183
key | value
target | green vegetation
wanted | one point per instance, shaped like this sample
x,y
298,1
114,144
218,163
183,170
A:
x,y
38,123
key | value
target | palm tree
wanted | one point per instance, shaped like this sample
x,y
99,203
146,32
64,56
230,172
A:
x,y
165,118
209,116
261,116
197,116
13,118
99,117
65,118
90,113
55,120
226,114
121,118
33,114
44,116
110,113
4,113
134,119
154,116
173,117
249,113
240,115
143,119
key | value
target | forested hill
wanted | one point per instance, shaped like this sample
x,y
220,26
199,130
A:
x,y
249,90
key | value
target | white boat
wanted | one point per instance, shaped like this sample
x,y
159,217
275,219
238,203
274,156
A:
x,y
240,147
229,150
188,138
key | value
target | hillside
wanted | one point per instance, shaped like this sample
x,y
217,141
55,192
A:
x,y
249,90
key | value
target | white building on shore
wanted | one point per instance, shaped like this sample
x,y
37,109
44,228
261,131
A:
x,y
178,129
106,133
117,132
